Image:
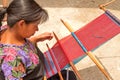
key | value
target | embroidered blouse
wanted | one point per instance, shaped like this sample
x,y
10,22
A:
x,y
25,61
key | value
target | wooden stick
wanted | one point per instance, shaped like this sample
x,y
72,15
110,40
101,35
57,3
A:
x,y
99,65
44,78
55,62
75,70
102,6
60,75
92,57
71,63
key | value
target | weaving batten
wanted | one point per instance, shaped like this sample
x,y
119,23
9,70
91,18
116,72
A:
x,y
55,62
50,68
47,68
50,59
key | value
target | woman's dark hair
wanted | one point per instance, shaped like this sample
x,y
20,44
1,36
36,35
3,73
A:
x,y
27,10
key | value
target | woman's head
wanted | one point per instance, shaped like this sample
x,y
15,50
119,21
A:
x,y
27,10
25,15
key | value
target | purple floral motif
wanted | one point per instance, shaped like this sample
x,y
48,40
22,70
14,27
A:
x,y
12,56
25,58
6,69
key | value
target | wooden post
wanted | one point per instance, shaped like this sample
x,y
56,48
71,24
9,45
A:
x,y
102,6
44,78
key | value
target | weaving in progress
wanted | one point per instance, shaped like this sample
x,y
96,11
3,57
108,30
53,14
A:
x,y
92,35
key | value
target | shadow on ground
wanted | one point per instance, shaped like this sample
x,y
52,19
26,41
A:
x,y
92,73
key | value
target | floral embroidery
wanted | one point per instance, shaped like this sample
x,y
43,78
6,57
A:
x,y
34,58
15,60
6,67
10,54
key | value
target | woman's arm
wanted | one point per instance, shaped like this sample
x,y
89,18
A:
x,y
41,37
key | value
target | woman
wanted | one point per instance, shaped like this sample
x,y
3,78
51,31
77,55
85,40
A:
x,y
20,59
18,56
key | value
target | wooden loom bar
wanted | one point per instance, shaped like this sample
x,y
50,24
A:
x,y
102,6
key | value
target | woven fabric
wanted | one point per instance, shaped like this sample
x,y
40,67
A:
x,y
92,35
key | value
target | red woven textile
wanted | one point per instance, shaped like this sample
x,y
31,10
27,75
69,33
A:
x,y
91,35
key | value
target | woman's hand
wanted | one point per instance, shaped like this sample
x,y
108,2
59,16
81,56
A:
x,y
42,37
